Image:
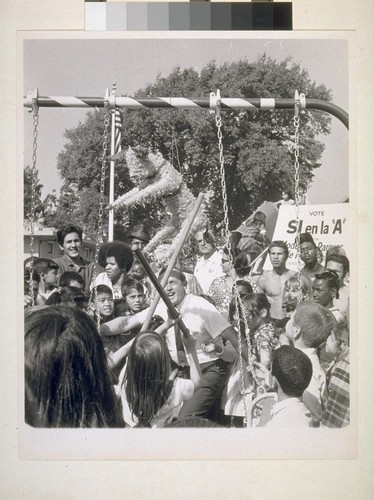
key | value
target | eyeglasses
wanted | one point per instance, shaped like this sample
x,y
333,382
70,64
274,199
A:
x,y
224,261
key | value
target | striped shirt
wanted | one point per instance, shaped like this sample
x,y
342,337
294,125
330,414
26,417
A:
x,y
336,396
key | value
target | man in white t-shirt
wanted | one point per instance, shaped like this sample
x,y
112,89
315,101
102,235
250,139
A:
x,y
210,328
208,267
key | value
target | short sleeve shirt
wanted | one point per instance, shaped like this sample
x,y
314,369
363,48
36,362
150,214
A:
x,y
206,270
84,268
202,319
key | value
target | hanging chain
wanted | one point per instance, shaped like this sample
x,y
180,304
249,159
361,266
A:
x,y
238,301
99,235
296,148
33,199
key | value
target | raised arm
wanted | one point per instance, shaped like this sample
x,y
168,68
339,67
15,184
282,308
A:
x,y
122,324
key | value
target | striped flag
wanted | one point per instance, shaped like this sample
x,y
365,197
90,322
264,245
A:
x,y
118,130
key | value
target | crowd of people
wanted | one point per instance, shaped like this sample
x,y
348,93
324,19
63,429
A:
x,y
97,356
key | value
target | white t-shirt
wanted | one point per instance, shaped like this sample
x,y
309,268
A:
x,y
206,270
201,318
290,412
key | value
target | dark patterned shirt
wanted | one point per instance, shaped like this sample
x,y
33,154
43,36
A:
x,y
221,292
265,339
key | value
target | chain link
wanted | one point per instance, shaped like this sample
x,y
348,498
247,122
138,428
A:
x,y
99,236
33,200
296,149
238,301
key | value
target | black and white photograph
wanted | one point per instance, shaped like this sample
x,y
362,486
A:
x,y
187,232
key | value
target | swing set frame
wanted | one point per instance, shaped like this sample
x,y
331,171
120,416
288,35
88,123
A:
x,y
111,102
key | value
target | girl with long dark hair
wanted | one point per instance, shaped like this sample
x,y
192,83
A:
x,y
151,392
67,381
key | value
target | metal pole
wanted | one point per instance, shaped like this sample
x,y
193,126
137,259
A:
x,y
111,176
184,103
112,165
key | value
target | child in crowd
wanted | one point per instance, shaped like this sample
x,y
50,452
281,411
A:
x,y
302,196
310,326
134,295
138,273
47,270
68,296
133,302
336,396
263,338
292,371
67,382
34,298
263,342
151,393
102,309
243,287
325,290
71,278
292,294
68,279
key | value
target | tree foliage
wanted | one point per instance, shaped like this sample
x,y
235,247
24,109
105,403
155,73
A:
x,y
31,182
257,145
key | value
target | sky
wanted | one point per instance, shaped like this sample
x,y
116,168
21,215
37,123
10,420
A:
x,y
87,67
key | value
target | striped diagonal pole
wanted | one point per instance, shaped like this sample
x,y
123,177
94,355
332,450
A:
x,y
184,103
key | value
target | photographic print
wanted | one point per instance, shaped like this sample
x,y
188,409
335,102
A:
x,y
218,166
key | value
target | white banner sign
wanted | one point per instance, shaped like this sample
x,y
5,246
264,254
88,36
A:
x,y
328,224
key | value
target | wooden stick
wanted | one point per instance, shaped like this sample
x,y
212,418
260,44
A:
x,y
171,308
179,244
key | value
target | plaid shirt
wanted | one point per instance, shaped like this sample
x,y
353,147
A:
x,y
336,399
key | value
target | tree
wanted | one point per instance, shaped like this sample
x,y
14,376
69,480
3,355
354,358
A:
x,y
80,164
258,158
257,144
50,207
31,183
